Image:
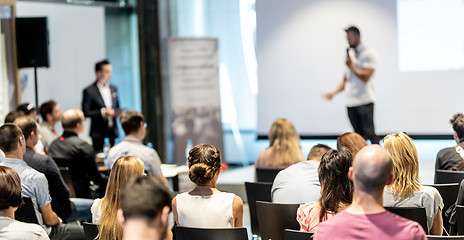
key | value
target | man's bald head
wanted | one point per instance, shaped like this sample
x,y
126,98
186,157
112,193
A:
x,y
372,169
71,118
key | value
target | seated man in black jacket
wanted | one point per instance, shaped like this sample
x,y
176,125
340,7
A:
x,y
79,209
76,154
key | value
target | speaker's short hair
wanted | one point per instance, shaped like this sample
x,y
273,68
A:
x,y
99,65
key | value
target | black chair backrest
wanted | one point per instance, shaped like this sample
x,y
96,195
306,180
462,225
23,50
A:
x,y
448,176
460,219
435,237
274,218
26,212
449,193
64,171
186,233
256,191
412,213
297,235
266,175
90,230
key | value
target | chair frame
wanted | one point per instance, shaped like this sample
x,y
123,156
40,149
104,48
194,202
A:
x,y
188,233
274,218
256,191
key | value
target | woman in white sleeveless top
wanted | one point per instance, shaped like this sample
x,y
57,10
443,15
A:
x,y
205,206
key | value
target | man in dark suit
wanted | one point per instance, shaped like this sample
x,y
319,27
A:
x,y
100,103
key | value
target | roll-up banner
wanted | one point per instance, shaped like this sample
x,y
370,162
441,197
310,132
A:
x,y
195,99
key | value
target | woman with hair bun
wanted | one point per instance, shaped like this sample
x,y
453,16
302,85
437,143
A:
x,y
205,206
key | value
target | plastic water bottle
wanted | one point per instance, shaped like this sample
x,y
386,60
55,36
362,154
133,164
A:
x,y
106,146
188,146
149,144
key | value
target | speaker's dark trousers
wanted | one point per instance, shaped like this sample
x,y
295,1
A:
x,y
362,120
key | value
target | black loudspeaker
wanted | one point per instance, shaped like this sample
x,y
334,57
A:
x,y
32,42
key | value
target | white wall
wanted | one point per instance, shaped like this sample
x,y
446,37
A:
x,y
77,42
301,48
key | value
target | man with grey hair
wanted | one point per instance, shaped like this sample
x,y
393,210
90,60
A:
x,y
366,218
77,153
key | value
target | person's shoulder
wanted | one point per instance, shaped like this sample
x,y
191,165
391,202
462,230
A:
x,y
90,86
404,225
29,229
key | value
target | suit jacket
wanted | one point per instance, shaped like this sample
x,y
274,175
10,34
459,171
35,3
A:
x,y
92,103
448,158
59,192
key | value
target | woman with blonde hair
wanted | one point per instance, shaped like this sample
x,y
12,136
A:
x,y
284,146
406,189
205,206
104,211
351,140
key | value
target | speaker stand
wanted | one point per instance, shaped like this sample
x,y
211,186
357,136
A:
x,y
36,87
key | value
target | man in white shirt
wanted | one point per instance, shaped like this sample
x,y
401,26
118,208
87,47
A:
x,y
134,127
358,85
100,102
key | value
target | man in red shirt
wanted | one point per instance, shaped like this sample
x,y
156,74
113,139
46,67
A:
x,y
366,218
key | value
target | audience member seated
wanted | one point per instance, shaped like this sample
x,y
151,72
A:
x,y
299,183
336,190
366,218
51,114
79,209
104,211
449,158
11,116
284,146
144,208
29,110
406,189
79,154
205,206
10,200
34,184
351,140
134,127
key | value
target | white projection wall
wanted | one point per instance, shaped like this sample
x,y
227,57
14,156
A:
x,y
301,47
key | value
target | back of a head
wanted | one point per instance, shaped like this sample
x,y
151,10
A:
x,y
9,134
26,108
204,161
351,140
46,108
130,121
405,164
27,125
317,151
71,118
372,168
458,125
336,186
144,197
13,115
285,142
10,188
122,171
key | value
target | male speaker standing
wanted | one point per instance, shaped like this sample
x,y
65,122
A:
x,y
100,103
357,83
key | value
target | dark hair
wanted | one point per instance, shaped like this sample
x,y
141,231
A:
x,y
458,125
336,187
351,140
144,196
26,108
9,134
10,188
353,29
317,151
11,116
27,125
130,121
46,108
204,161
99,65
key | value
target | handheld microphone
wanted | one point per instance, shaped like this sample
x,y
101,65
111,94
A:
x,y
348,51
